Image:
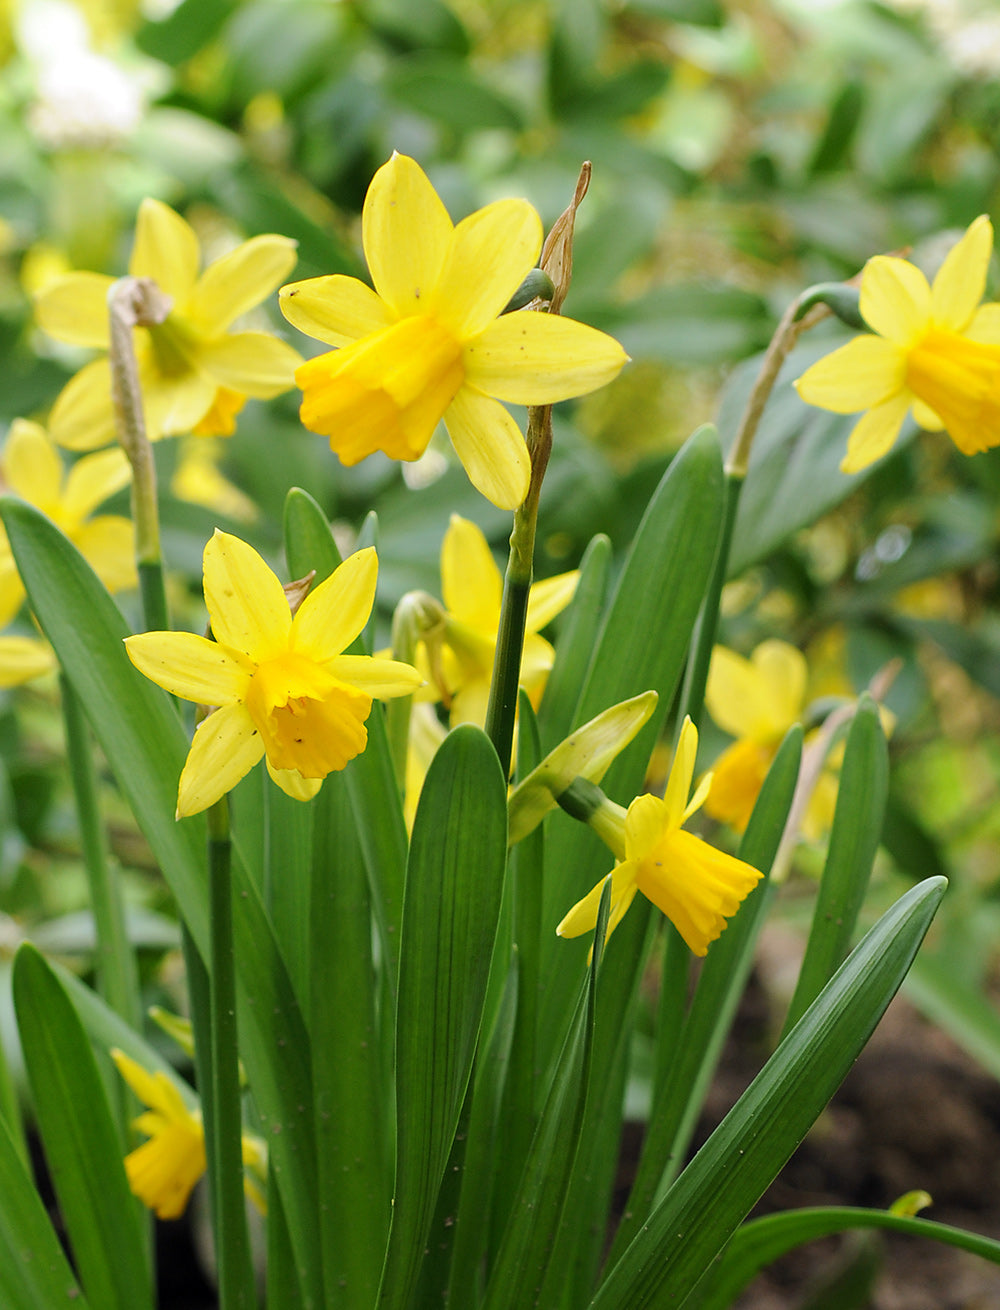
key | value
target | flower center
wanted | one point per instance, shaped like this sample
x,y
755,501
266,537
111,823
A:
x,y
307,719
386,392
959,380
172,347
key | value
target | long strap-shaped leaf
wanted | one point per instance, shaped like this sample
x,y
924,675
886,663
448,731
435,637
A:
x,y
763,1240
454,884
81,1139
34,1272
142,739
744,1154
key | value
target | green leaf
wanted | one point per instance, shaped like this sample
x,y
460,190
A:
x,y
82,1144
444,88
454,884
34,1272
140,734
745,1153
857,827
764,1240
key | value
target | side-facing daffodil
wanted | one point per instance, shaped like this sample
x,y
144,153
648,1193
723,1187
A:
x,y
935,350
194,372
31,468
431,342
472,589
283,686
696,886
755,700
164,1170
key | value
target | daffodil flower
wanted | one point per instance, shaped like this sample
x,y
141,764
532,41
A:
x,y
696,886
191,366
935,350
164,1170
283,686
431,341
755,700
32,469
24,658
472,588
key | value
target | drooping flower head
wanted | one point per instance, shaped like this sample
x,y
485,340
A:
x,y
31,467
696,886
283,686
194,372
164,1170
934,350
431,341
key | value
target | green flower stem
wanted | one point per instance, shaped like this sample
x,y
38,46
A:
x,y
138,302
116,969
224,1123
502,705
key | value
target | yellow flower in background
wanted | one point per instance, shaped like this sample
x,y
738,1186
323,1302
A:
x,y
193,370
431,341
283,686
31,468
936,351
164,1170
755,700
23,659
197,479
696,886
472,588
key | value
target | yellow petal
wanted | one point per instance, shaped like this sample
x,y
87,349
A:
x,y
293,784
82,417
863,373
681,772
74,308
925,417
333,615
381,678
488,257
783,673
737,777
166,249
174,403
490,445
190,666
155,1089
93,479
238,281
895,299
874,434
537,658
254,363
645,824
985,325
24,658
583,916
537,359
406,232
549,598
225,748
334,309
107,543
961,280
471,585
11,587
246,603
31,465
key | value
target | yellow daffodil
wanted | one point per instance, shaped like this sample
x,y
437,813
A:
x,y
472,587
193,370
164,1170
31,468
755,700
197,479
935,350
696,886
431,341
283,686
